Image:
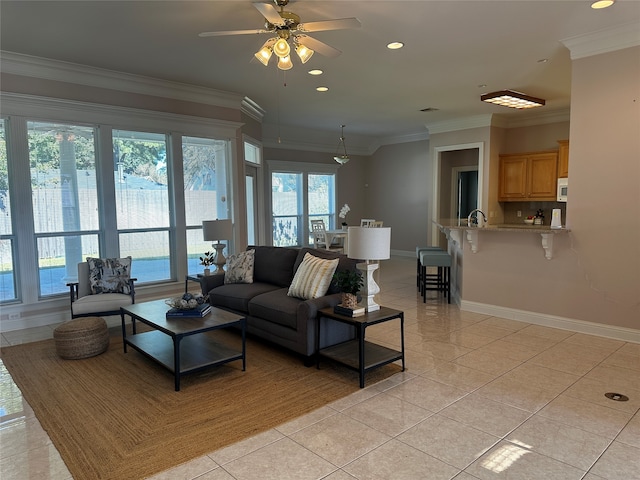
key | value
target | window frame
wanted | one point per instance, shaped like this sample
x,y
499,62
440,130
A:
x,y
18,109
304,169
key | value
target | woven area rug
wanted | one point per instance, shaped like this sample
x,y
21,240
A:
x,y
117,415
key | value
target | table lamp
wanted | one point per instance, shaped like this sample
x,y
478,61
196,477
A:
x,y
369,244
214,231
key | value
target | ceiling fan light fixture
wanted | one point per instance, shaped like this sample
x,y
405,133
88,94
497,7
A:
x,y
304,53
281,48
512,99
264,55
341,157
284,63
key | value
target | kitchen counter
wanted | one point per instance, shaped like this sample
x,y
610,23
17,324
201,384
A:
x,y
454,229
508,227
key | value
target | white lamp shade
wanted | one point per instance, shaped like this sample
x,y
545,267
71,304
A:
x,y
213,230
369,243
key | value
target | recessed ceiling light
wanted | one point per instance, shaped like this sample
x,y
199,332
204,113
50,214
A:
x,y
543,60
322,89
395,45
597,5
315,71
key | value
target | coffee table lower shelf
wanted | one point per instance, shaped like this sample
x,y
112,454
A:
x,y
196,351
348,354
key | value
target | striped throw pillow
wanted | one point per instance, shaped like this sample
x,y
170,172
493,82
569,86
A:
x,y
313,277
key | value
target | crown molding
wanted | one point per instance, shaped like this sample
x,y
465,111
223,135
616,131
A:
x,y
71,110
48,69
396,139
533,119
465,123
603,41
252,109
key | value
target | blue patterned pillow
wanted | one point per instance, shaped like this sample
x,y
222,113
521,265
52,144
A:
x,y
240,267
109,275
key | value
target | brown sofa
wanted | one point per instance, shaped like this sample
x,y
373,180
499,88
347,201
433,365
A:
x,y
271,314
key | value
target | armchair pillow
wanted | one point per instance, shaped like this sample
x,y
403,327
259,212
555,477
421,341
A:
x,y
313,277
109,275
240,267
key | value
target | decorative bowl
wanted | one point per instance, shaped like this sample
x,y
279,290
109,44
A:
x,y
187,301
528,221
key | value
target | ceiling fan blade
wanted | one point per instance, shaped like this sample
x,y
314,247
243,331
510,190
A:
x,y
338,24
269,12
231,32
318,46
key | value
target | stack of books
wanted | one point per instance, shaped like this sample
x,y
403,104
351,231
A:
x,y
348,312
198,312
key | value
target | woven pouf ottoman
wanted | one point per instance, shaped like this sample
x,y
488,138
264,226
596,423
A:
x,y
81,338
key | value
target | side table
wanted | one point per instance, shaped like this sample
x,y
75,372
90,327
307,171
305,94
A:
x,y
192,278
358,354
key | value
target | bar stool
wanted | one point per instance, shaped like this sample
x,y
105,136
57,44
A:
x,y
441,281
418,269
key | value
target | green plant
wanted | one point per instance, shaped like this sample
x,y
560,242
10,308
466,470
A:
x,y
348,281
208,258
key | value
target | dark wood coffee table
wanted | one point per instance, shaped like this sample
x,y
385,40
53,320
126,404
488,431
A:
x,y
358,354
181,344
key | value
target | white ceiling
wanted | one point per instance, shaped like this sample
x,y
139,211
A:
x,y
451,48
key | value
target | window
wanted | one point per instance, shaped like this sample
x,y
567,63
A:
x,y
7,269
76,187
300,193
206,191
142,202
64,200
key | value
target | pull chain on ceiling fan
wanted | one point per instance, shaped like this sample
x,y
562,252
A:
x,y
286,27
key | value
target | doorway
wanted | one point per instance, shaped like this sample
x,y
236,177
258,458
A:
x,y
464,191
465,158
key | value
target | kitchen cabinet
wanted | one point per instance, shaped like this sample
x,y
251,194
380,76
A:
x,y
563,158
528,176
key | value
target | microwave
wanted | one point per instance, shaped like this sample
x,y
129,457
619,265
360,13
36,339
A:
x,y
563,185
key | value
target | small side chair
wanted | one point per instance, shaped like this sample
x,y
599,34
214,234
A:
x,y
104,290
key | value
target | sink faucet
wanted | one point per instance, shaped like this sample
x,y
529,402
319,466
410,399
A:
x,y
477,222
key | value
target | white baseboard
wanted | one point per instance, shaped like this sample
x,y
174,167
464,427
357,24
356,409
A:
x,y
563,323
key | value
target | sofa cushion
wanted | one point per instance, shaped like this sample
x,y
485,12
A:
x,y
276,307
345,263
312,277
274,265
240,267
236,296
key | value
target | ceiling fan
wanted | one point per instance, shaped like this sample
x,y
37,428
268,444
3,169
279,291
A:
x,y
285,26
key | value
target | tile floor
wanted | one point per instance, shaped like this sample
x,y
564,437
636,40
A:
x,y
482,398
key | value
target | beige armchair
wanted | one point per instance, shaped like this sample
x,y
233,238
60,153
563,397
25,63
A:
x,y
102,294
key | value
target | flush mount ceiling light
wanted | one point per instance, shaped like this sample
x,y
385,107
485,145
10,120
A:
x,y
509,98
395,45
289,34
602,4
341,158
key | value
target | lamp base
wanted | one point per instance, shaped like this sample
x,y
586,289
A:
x,y
219,260
370,287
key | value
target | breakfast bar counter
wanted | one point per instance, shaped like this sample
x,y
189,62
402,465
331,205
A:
x,y
457,229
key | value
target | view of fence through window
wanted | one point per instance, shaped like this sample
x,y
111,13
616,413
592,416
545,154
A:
x,y
205,192
7,276
293,205
64,200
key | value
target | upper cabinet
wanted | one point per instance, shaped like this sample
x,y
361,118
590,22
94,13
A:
x,y
563,158
528,176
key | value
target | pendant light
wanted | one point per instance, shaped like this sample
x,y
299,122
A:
x,y
343,157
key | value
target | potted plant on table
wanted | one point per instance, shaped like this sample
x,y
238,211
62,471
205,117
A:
x,y
349,283
343,214
207,261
